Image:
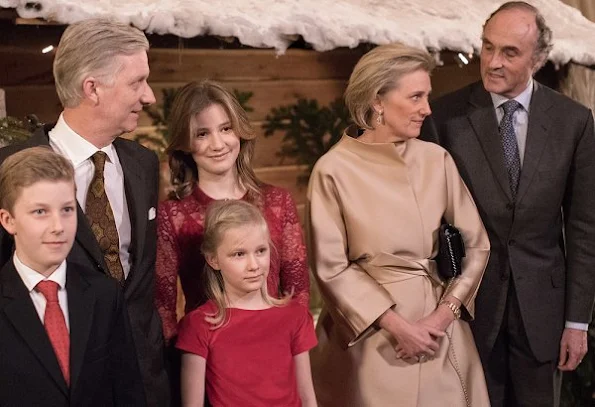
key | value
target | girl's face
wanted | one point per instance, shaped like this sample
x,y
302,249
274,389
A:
x,y
213,143
243,256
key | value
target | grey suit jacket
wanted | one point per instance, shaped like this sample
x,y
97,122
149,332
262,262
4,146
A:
x,y
545,241
141,183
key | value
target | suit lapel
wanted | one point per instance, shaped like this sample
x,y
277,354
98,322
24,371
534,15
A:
x,y
80,310
21,313
135,198
40,136
483,120
537,135
84,235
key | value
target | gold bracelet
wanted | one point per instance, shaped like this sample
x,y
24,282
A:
x,y
455,309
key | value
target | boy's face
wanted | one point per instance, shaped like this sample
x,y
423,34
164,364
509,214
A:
x,y
43,223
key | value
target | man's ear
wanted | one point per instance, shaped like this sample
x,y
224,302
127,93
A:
x,y
7,221
538,62
212,261
90,89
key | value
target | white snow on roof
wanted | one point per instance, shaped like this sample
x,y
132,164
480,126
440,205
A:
x,y
325,24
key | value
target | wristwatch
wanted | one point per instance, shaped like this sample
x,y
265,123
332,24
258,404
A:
x,y
456,310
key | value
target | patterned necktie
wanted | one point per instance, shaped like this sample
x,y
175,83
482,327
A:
x,y
510,146
55,325
101,218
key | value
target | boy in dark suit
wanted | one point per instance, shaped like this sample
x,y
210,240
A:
x,y
65,338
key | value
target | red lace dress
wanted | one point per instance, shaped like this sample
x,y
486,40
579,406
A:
x,y
180,235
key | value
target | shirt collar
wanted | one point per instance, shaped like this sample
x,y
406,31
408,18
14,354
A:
x,y
524,98
31,277
73,146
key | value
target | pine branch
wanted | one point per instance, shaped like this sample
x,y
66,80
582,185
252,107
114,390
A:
x,y
309,129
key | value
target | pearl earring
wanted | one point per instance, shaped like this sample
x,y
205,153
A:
x,y
379,118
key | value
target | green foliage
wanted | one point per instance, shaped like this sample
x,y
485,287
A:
x,y
13,130
578,387
159,115
310,130
243,99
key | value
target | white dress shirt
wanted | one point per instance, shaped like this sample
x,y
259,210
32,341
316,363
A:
x,y
520,122
79,151
31,278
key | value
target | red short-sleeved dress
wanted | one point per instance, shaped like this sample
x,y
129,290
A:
x,y
250,359
180,235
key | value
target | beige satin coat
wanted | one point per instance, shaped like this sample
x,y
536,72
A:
x,y
373,218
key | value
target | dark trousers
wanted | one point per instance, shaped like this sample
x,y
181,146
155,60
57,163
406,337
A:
x,y
514,377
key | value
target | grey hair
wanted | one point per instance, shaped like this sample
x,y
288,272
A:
x,y
88,48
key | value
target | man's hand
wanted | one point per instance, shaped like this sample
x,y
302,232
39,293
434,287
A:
x,y
573,347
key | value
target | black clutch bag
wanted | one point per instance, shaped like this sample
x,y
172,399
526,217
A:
x,y
451,251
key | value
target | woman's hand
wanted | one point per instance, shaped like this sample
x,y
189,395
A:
x,y
413,339
439,319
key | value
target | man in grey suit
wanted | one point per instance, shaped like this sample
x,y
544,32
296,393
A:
x,y
527,154
101,72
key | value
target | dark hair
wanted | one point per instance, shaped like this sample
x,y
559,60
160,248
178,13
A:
x,y
544,44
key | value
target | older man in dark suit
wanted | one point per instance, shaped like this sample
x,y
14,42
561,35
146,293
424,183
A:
x,y
101,72
527,155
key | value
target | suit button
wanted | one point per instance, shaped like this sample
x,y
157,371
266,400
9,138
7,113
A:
x,y
509,206
511,242
504,276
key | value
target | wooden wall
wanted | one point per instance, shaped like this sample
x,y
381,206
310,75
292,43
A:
x,y
26,76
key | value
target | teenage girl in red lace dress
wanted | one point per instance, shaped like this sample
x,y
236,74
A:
x,y
212,144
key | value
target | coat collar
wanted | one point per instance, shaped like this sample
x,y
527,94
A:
x,y
537,135
482,117
135,187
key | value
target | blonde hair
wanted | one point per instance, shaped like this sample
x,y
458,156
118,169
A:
x,y
378,72
27,167
189,102
88,48
221,217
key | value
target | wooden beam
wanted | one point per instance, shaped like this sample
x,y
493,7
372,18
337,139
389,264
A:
x,y
2,104
43,100
28,66
8,14
35,21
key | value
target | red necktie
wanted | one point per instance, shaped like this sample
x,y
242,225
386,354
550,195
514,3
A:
x,y
55,325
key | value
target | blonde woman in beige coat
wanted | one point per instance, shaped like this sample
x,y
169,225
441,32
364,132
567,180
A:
x,y
390,333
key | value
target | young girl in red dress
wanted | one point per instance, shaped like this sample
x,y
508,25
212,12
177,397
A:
x,y
245,347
